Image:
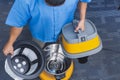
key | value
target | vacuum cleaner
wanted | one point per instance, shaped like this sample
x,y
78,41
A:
x,y
29,61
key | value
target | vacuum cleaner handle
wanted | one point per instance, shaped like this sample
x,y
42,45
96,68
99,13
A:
x,y
81,35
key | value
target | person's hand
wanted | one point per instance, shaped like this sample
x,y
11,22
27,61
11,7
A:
x,y
81,26
8,48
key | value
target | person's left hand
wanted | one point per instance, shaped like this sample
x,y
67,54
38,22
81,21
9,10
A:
x,y
81,26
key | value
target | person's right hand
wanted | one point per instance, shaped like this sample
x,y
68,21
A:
x,y
8,48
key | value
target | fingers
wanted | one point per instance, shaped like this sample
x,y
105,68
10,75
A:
x,y
8,49
79,28
6,52
76,30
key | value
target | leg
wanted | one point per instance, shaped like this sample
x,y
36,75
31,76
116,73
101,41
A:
x,y
83,60
40,43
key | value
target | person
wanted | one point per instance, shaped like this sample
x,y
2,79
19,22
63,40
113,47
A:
x,y
44,17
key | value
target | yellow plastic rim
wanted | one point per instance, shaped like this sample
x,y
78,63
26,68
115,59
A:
x,y
46,76
82,46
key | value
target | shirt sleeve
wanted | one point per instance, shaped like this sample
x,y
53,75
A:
x,y
87,1
19,14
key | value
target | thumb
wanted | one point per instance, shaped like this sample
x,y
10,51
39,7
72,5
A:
x,y
11,52
76,29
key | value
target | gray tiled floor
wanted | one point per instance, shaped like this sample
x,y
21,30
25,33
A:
x,y
102,66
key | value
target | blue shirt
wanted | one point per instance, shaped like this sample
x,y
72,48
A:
x,y
45,22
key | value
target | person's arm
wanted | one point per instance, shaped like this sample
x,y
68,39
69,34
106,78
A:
x,y
81,24
18,18
14,33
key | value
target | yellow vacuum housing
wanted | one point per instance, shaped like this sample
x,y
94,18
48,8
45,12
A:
x,y
80,44
46,76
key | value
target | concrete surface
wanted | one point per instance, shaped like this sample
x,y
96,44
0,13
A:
x,y
102,66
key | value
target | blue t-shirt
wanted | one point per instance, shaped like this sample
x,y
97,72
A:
x,y
45,22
